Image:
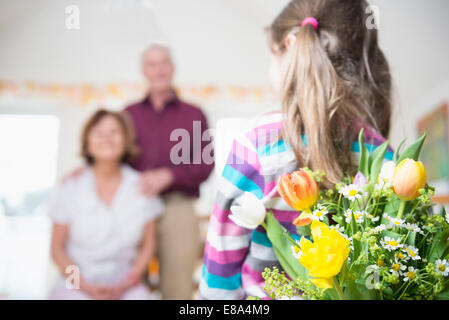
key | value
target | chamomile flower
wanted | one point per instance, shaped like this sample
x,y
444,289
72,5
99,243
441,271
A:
x,y
348,215
412,252
402,256
442,267
352,192
319,213
379,229
338,228
411,274
413,227
397,267
396,222
390,244
358,216
372,218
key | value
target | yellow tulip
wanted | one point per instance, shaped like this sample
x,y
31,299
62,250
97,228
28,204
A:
x,y
325,256
299,189
409,176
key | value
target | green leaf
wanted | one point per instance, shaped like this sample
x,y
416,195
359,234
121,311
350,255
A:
x,y
411,239
282,249
414,150
376,160
442,295
364,154
396,153
391,208
356,290
439,245
443,211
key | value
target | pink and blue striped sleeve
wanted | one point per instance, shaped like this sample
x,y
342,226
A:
x,y
227,244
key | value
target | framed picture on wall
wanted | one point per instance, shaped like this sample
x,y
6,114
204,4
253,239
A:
x,y
435,153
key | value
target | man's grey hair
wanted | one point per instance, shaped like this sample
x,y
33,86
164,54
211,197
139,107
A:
x,y
159,46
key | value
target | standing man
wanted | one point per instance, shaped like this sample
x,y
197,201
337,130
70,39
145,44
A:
x,y
155,118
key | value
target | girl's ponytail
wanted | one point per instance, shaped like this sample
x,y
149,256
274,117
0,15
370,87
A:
x,y
311,95
329,82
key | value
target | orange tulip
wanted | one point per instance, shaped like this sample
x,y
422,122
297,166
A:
x,y
300,190
304,219
409,176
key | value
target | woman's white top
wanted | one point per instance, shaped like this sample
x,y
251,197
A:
x,y
104,240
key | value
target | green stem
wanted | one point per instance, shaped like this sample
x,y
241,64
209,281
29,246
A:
x,y
338,288
406,287
401,209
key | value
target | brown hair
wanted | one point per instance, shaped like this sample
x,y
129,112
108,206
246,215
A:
x,y
131,150
334,76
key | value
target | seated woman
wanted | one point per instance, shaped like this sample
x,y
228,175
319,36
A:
x,y
102,226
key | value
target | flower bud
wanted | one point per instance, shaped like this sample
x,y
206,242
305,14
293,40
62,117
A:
x,y
409,176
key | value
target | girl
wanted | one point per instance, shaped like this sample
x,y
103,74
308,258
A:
x,y
334,80
103,228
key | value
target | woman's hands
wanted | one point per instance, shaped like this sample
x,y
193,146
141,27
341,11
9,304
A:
x,y
98,291
110,292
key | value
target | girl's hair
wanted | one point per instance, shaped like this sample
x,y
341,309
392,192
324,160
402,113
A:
x,y
131,150
333,78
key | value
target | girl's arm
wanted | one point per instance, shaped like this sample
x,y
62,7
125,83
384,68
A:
x,y
227,244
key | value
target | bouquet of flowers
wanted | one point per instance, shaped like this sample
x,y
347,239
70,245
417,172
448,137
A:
x,y
374,236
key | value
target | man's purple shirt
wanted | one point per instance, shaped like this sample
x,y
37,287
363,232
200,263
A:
x,y
153,129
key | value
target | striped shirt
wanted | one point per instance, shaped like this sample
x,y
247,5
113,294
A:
x,y
235,257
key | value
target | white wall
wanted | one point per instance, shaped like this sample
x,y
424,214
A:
x,y
215,42
414,36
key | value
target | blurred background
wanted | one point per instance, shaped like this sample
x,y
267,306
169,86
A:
x,y
53,77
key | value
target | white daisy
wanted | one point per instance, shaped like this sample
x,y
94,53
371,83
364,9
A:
x,y
391,244
372,218
337,228
402,256
412,252
411,274
379,228
442,267
348,215
396,222
413,227
319,213
397,267
352,192
358,215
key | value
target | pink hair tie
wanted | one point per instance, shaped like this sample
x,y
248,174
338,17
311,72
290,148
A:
x,y
310,20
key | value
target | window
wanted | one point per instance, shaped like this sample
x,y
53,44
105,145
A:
x,y
28,160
